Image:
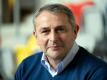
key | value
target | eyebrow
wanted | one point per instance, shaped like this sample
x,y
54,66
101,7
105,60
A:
x,y
44,28
47,27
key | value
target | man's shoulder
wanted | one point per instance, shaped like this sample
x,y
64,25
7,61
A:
x,y
35,56
87,65
33,59
28,65
90,59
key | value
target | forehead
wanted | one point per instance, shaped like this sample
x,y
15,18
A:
x,y
50,20
51,16
49,12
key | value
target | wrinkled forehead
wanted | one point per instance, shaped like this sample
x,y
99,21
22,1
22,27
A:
x,y
50,15
47,11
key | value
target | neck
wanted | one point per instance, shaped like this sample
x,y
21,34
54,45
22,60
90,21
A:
x,y
53,63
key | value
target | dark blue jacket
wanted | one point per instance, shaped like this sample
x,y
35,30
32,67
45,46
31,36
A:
x,y
84,66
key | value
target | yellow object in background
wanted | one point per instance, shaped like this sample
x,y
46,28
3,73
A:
x,y
23,51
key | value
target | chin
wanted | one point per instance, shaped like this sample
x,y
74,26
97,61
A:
x,y
56,55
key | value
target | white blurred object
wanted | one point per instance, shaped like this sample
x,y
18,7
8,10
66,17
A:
x,y
7,63
94,23
93,28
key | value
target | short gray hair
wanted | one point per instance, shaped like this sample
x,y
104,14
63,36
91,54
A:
x,y
57,8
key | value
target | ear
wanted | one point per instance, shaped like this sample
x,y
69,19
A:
x,y
76,29
34,33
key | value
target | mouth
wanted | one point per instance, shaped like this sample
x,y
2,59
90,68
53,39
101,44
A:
x,y
54,47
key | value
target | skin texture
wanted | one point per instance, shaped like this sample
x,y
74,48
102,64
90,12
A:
x,y
54,35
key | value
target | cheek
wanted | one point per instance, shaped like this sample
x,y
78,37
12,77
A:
x,y
42,42
69,39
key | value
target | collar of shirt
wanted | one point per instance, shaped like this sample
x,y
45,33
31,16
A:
x,y
61,66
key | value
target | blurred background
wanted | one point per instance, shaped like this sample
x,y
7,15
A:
x,y
16,28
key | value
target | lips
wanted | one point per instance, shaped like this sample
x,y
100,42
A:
x,y
54,47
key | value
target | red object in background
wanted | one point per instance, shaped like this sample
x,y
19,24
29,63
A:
x,y
78,9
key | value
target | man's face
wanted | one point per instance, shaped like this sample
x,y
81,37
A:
x,y
54,34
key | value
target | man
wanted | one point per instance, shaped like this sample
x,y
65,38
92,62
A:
x,y
61,59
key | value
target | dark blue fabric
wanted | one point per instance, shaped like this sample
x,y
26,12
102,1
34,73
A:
x,y
84,66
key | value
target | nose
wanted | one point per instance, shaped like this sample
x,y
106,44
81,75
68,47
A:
x,y
53,36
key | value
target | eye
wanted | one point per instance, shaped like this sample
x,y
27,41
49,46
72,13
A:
x,y
61,29
45,31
